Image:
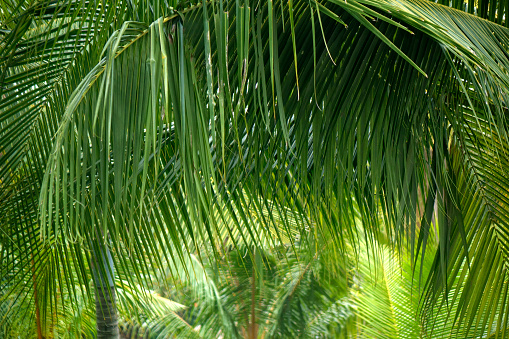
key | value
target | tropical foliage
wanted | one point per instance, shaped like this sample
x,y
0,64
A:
x,y
270,297
127,127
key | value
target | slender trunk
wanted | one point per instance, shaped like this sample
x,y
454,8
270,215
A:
x,y
36,299
105,299
106,312
253,328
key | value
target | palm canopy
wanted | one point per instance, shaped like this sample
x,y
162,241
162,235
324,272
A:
x,y
119,118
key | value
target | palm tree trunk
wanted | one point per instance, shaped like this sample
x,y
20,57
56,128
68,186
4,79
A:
x,y
253,328
106,312
36,300
105,299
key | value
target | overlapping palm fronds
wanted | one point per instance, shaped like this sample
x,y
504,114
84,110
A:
x,y
267,298
400,104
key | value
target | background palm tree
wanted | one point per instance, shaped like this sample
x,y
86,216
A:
x,y
277,295
123,121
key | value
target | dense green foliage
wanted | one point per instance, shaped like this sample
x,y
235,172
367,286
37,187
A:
x,y
160,128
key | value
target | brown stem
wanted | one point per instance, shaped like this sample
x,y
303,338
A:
x,y
36,299
253,328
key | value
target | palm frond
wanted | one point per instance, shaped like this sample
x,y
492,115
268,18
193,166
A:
x,y
387,295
